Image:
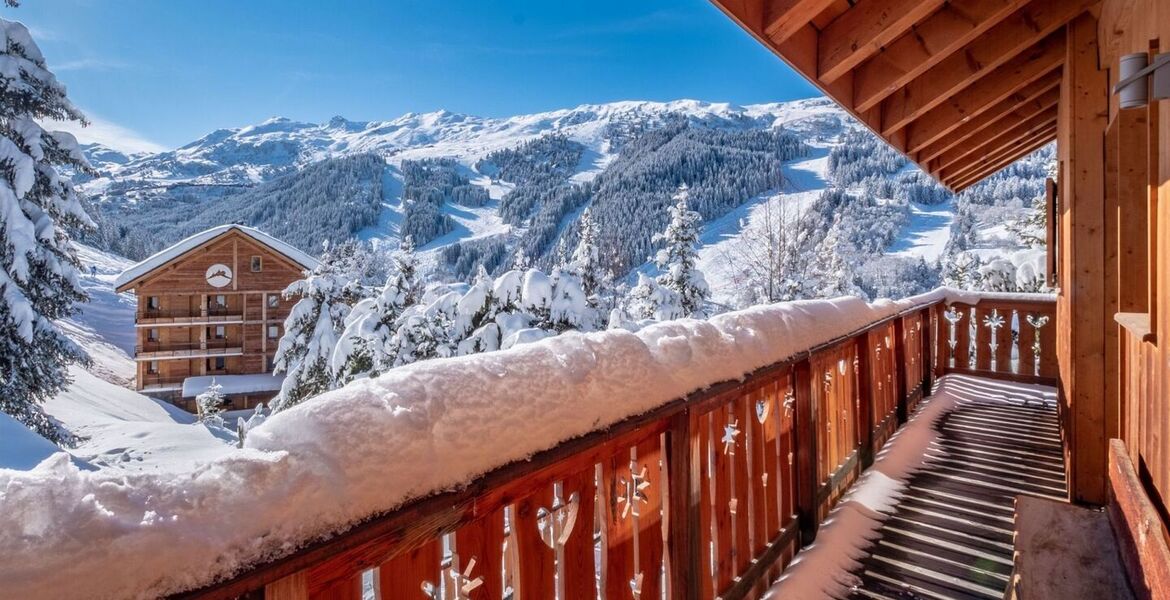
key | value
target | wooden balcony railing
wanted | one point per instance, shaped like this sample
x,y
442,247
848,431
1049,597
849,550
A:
x,y
1005,336
708,496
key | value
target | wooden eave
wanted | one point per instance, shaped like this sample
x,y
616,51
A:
x,y
208,244
961,87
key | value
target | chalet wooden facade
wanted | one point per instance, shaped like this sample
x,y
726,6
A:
x,y
211,307
732,481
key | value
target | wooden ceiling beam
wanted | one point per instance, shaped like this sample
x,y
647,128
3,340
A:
x,y
1003,45
863,30
1009,133
1003,160
998,46
940,35
993,88
786,17
1030,101
1008,138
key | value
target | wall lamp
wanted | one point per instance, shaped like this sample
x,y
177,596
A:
x,y
1134,74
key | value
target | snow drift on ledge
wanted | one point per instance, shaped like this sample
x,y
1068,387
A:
x,y
322,466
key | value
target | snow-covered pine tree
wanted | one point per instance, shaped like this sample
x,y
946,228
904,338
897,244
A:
x,y
367,347
585,263
38,264
835,266
210,404
678,257
312,330
649,300
961,270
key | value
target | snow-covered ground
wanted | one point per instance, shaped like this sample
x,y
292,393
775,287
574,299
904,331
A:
x,y
115,428
928,232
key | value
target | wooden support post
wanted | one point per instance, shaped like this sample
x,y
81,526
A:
x,y
683,550
1083,320
900,369
806,452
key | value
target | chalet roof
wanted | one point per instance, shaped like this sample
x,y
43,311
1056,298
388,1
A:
x,y
169,254
961,87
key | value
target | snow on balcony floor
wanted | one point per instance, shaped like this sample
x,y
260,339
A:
x,y
932,518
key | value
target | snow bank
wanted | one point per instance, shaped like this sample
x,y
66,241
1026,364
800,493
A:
x,y
321,466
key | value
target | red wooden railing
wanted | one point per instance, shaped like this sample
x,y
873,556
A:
x,y
1011,338
708,496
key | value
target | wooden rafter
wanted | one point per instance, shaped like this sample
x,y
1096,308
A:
x,y
944,32
1001,44
863,30
1037,62
1043,93
786,17
998,137
1004,159
1012,139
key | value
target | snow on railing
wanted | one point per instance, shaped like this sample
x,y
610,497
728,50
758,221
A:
x,y
736,434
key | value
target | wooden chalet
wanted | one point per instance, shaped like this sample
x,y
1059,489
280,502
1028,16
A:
x,y
210,308
1008,504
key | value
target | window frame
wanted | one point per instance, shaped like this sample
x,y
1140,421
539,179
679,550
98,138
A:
x,y
257,263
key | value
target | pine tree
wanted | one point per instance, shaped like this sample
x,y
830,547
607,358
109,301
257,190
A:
x,y
367,346
678,258
649,300
210,404
835,265
312,330
585,263
38,263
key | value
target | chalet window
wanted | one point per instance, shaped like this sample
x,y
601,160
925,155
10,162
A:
x,y
152,303
221,301
257,264
273,301
152,367
152,334
219,332
216,364
273,332
271,362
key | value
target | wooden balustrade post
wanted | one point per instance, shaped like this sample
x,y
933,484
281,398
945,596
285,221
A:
x,y
805,443
683,548
865,418
900,391
927,350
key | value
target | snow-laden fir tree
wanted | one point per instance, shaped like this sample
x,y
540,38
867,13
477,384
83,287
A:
x,y
366,346
835,266
962,270
585,262
650,300
678,257
210,404
312,330
38,264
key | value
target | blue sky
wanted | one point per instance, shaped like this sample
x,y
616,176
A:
x,y
154,74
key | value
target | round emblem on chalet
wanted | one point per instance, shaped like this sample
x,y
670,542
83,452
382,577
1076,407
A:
x,y
219,275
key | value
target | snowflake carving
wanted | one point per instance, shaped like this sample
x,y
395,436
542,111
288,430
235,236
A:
x,y
462,583
993,322
634,491
789,403
1037,321
730,432
761,410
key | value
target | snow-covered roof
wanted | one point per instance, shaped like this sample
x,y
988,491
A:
x,y
233,384
165,256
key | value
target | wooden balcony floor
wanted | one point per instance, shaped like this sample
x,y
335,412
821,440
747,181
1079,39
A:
x,y
950,535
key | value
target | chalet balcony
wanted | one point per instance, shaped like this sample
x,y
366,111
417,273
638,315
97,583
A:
x,y
185,350
184,316
714,494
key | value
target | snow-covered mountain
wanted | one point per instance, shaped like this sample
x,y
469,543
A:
x,y
477,191
256,153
